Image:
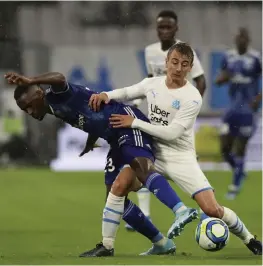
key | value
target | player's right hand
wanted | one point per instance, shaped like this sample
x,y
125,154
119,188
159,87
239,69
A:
x,y
14,78
96,100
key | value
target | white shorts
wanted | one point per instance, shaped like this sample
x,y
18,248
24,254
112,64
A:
x,y
187,175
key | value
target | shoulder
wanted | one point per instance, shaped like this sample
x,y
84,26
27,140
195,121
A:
x,y
191,93
254,53
152,47
230,53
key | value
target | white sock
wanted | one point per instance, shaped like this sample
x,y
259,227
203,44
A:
x,y
236,226
112,214
144,197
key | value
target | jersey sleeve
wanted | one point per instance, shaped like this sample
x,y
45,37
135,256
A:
x,y
57,89
197,69
183,120
147,62
137,91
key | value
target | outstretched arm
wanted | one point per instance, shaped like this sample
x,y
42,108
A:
x,y
183,120
56,80
137,91
133,92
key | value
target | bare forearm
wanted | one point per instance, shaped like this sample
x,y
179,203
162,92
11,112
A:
x,y
50,78
222,78
200,84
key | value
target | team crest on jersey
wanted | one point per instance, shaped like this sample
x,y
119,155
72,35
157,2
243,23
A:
x,y
176,104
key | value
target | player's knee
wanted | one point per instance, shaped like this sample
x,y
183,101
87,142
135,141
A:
x,y
120,189
213,210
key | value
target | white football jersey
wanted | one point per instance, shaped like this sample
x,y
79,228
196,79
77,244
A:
x,y
155,62
167,107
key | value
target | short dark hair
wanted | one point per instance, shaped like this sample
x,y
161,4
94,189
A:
x,y
168,13
20,90
184,49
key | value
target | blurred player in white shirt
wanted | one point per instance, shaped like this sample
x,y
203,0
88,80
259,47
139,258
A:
x,y
173,105
155,56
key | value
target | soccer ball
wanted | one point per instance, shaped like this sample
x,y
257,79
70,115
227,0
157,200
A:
x,y
212,234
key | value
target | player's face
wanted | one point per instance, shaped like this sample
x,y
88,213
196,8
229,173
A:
x,y
32,102
166,28
242,41
178,65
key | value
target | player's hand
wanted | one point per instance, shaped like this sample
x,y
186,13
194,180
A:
x,y
96,100
87,149
118,121
14,78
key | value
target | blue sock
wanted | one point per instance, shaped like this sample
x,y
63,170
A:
x,y
160,187
135,218
230,158
239,171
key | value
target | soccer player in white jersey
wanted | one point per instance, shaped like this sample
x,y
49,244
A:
x,y
173,105
155,55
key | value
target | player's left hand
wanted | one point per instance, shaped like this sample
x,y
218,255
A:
x,y
15,78
118,121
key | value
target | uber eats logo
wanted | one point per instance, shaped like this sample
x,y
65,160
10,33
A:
x,y
158,115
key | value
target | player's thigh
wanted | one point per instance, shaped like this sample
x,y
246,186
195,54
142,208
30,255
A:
x,y
226,142
241,145
188,176
124,182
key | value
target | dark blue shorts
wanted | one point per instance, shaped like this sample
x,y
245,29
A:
x,y
117,158
239,123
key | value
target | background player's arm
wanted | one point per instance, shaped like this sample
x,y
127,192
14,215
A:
x,y
256,102
148,67
224,76
136,91
183,120
197,74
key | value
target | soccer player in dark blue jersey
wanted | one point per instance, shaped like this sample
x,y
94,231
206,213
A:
x,y
241,69
69,102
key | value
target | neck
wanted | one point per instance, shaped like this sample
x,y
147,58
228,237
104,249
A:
x,y
174,84
166,45
242,51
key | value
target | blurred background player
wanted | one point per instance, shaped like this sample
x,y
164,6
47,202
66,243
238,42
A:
x,y
241,69
155,55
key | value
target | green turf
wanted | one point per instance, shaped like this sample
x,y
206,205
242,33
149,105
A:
x,y
50,218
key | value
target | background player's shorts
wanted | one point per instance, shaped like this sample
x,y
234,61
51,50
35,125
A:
x,y
238,124
118,158
187,175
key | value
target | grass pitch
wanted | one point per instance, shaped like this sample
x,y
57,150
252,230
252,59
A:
x,y
50,218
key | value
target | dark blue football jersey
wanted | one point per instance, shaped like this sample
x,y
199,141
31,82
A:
x,y
245,72
71,105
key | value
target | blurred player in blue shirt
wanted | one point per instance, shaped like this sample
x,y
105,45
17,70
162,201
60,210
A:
x,y
241,69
